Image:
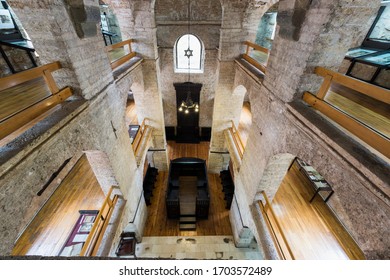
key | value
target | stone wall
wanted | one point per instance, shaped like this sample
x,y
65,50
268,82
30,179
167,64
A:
x,y
55,39
99,125
171,20
357,175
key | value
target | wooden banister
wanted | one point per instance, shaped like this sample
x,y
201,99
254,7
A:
x,y
251,60
120,44
96,234
124,58
22,103
378,141
237,139
256,47
279,246
370,90
138,138
375,139
28,75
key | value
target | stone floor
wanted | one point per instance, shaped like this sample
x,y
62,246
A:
x,y
195,247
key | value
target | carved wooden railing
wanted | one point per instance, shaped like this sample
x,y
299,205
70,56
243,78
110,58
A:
x,y
376,140
94,239
261,65
20,102
281,244
238,143
120,48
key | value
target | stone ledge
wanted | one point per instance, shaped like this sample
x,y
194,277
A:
x,y
21,146
126,68
366,164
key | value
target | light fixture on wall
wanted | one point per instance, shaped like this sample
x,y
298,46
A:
x,y
189,105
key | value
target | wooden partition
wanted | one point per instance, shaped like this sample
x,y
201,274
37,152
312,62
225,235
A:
x,y
28,94
353,124
260,61
95,237
238,143
281,244
117,53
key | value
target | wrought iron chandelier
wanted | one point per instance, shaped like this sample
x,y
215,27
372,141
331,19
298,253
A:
x,y
189,105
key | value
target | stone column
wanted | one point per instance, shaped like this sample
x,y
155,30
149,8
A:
x,y
149,104
69,34
227,106
314,33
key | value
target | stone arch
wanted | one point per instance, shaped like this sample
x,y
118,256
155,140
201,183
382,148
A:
x,y
253,14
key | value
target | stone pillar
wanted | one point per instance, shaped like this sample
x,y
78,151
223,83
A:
x,y
227,105
149,104
69,34
314,33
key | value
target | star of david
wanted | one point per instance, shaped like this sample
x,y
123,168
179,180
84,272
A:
x,y
188,53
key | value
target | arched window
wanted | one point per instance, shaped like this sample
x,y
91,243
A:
x,y
189,54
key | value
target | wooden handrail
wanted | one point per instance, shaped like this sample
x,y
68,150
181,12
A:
x,y
95,236
375,139
264,209
370,90
138,138
120,44
256,47
379,142
28,75
237,140
124,58
26,110
250,59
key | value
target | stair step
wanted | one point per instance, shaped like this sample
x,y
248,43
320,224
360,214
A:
x,y
187,220
187,226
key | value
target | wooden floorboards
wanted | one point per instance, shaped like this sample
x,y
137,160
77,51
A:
x,y
218,221
369,111
312,230
245,122
131,113
49,230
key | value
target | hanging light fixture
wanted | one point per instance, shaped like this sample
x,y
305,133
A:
x,y
189,105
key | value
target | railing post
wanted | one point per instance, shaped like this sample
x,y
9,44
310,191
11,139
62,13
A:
x,y
324,87
50,81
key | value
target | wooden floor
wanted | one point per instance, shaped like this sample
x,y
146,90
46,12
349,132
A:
x,y
49,230
311,229
245,122
20,97
131,113
369,111
218,221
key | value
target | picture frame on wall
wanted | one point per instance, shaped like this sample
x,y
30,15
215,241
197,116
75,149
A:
x,y
6,21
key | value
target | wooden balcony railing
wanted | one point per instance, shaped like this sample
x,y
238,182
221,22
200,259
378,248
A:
x,y
140,135
237,140
26,95
354,124
94,239
256,55
281,244
118,53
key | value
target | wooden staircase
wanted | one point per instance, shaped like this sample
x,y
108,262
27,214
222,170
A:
x,y
187,222
188,191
